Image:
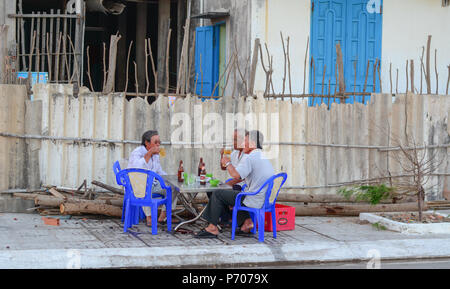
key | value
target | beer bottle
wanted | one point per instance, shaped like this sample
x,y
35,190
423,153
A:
x,y
180,172
203,175
200,164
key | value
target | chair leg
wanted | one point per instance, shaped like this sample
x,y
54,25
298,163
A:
x,y
123,213
169,216
274,223
261,217
126,217
233,223
154,215
253,216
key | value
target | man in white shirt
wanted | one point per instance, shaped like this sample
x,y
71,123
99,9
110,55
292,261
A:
x,y
255,170
238,152
146,157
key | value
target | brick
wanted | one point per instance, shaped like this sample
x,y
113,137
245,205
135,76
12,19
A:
x,y
51,221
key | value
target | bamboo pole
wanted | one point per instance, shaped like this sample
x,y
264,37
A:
x,y
428,79
167,62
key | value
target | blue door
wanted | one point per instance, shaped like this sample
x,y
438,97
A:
x,y
356,25
206,59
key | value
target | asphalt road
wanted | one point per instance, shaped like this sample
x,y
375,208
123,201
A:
x,y
404,264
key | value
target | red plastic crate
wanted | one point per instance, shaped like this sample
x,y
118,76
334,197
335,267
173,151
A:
x,y
285,216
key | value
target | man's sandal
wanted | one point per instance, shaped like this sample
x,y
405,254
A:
x,y
203,234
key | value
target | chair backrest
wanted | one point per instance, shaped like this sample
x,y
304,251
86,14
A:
x,y
274,185
134,179
116,168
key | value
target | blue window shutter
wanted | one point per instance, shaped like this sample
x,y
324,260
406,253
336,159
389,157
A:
x,y
359,32
204,55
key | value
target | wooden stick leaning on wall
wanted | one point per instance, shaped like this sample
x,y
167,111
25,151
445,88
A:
x,y
265,70
448,81
58,49
379,76
147,82
422,70
407,77
304,68
155,73
390,76
412,75
365,81
285,62
436,71
191,62
374,74
270,58
396,83
136,84
128,67
167,61
110,81
340,60
427,74
289,65
223,74
104,67
89,69
75,63
251,85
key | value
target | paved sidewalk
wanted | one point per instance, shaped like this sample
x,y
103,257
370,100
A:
x,y
26,242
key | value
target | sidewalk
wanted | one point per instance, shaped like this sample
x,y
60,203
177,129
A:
x,y
26,242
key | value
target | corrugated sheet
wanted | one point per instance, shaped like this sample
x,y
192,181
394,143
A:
x,y
112,117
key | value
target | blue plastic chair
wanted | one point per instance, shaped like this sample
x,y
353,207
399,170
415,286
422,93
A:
x,y
137,213
258,215
148,200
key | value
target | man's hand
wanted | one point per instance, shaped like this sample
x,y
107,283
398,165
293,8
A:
x,y
152,151
224,161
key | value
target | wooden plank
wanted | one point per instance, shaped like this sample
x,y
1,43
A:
x,y
44,48
64,64
110,82
38,37
50,69
251,84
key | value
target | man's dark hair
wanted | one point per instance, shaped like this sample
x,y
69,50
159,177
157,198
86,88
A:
x,y
257,137
147,136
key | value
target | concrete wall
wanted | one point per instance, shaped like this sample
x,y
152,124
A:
x,y
304,133
9,7
238,27
406,26
292,17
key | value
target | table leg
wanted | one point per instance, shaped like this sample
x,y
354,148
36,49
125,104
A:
x,y
198,216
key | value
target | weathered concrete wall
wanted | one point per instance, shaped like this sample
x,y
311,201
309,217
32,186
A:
x,y
406,26
9,7
12,151
238,27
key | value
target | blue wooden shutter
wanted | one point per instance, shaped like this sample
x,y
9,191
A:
x,y
359,32
364,44
206,53
328,28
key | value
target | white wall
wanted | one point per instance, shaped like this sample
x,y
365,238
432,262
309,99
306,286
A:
x,y
406,26
292,17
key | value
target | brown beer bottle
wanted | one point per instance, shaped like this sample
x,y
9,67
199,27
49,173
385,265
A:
x,y
200,164
180,172
203,175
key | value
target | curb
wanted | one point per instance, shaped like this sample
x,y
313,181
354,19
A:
x,y
438,228
230,256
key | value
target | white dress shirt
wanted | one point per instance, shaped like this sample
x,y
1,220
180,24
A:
x,y
137,161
